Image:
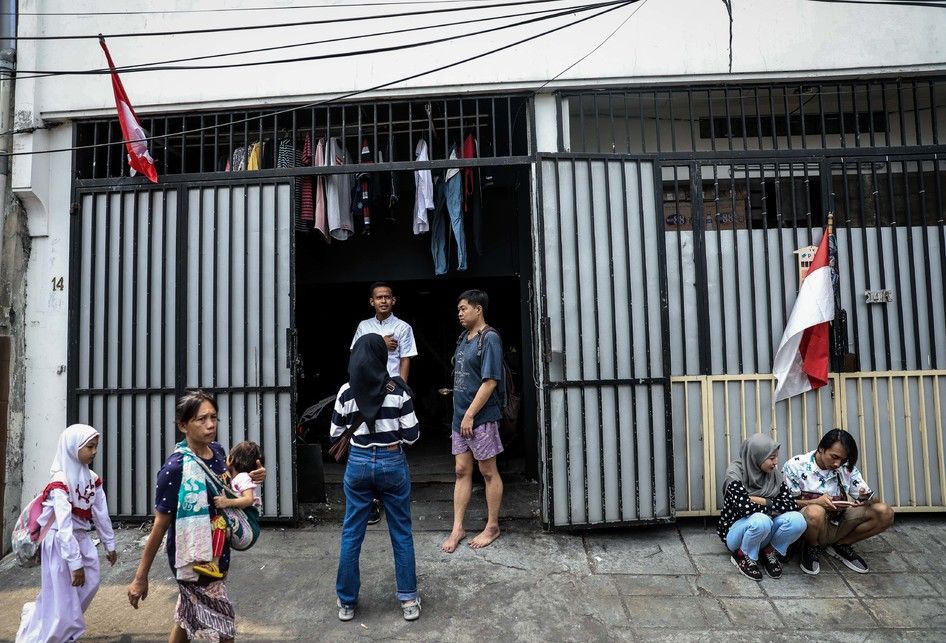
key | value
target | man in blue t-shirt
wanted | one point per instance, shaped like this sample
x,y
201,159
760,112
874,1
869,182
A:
x,y
477,374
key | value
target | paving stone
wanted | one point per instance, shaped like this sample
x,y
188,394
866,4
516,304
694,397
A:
x,y
666,612
699,540
640,585
829,612
876,545
920,613
904,539
747,635
938,582
826,635
729,584
713,612
654,551
933,527
748,613
827,584
913,636
893,585
714,564
931,563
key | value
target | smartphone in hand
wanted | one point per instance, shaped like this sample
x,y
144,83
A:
x,y
846,503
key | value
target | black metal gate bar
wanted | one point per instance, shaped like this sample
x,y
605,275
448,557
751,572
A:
x,y
927,260
773,115
501,134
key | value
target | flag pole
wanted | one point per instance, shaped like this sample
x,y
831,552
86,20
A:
x,y
829,230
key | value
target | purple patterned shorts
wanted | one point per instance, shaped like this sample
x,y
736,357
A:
x,y
484,444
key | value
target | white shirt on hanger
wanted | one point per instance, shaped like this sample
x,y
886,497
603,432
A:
x,y
338,194
424,184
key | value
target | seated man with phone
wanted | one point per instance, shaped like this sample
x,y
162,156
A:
x,y
838,506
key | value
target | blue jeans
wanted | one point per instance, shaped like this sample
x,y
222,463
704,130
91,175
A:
x,y
383,474
438,240
753,532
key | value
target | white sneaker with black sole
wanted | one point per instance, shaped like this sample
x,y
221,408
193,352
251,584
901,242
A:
x,y
345,613
411,609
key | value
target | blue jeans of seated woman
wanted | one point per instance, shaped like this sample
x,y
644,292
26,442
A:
x,y
384,474
752,533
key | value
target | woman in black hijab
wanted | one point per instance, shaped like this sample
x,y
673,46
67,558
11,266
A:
x,y
383,410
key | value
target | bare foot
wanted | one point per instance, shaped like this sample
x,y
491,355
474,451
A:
x,y
485,537
453,540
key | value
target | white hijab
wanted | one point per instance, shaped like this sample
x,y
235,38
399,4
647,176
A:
x,y
66,468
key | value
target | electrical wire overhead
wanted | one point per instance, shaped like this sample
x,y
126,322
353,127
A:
x,y
231,9
302,23
545,14
894,3
346,95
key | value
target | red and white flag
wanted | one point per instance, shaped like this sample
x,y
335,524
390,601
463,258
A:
x,y
801,361
133,134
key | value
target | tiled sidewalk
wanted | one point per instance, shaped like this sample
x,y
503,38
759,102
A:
x,y
661,583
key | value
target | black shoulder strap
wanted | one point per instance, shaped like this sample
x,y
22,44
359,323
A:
x,y
357,422
481,337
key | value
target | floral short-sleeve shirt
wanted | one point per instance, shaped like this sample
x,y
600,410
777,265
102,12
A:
x,y
803,475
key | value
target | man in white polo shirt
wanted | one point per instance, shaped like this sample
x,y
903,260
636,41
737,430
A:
x,y
397,333
399,337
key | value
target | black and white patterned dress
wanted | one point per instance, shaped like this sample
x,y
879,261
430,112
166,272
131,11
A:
x,y
738,505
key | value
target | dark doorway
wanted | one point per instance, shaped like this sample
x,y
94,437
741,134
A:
x,y
332,293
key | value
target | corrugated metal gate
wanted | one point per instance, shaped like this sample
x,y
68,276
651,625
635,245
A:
x,y
175,288
606,440
732,227
746,176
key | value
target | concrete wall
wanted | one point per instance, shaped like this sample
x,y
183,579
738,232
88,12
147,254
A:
x,y
13,263
664,41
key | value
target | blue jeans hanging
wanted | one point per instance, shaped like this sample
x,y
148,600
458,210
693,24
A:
x,y
438,230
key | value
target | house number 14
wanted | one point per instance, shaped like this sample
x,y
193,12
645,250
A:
x,y
58,284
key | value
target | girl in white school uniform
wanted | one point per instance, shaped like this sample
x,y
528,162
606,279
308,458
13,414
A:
x,y
75,500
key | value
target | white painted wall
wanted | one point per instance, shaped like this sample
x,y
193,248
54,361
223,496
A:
x,y
665,40
46,325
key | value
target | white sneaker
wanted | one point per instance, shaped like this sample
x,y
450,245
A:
x,y
411,609
345,613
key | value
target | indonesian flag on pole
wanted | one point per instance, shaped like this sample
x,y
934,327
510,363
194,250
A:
x,y
801,361
133,134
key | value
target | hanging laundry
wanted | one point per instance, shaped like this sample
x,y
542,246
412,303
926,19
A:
x,y
238,161
361,191
321,219
306,213
338,194
473,193
266,155
424,186
253,157
454,197
386,195
289,156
